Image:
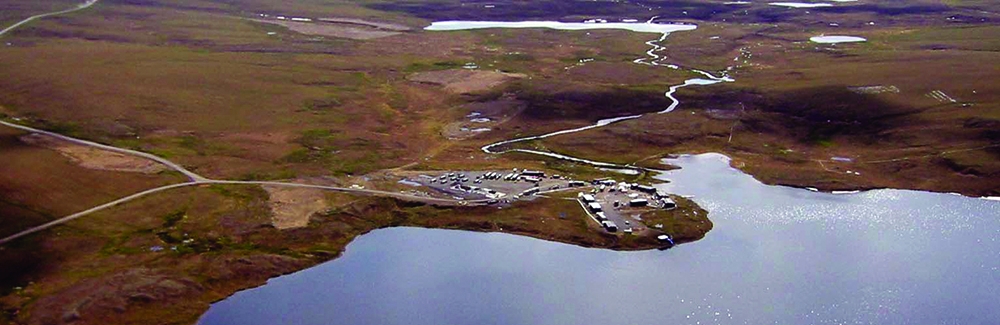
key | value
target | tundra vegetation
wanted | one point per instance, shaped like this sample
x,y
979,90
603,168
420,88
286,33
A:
x,y
230,94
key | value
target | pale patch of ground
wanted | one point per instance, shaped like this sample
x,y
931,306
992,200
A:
x,y
332,30
362,22
93,158
464,81
723,114
873,90
495,112
292,207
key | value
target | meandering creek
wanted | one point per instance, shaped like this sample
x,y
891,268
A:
x,y
652,59
776,255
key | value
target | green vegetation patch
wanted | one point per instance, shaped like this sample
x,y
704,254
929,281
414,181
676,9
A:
x,y
341,153
433,66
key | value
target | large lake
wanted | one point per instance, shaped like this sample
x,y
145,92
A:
x,y
777,255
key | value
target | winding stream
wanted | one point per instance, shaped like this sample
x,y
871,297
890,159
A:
x,y
652,59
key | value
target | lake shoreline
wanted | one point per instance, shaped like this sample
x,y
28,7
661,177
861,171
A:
x,y
190,283
740,220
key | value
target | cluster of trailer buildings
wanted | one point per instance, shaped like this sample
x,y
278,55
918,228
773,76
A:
x,y
501,186
607,202
621,195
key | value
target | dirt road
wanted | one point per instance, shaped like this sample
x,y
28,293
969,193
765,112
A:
x,y
429,200
194,178
190,175
82,6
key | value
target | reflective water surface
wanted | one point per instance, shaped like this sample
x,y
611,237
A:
x,y
776,255
836,39
647,27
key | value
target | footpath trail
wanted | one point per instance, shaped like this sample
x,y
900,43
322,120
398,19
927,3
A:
x,y
82,6
429,200
189,174
91,210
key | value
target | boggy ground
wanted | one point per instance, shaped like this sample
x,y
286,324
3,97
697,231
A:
x,y
38,184
14,10
163,259
851,116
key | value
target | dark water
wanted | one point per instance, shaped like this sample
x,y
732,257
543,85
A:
x,y
776,255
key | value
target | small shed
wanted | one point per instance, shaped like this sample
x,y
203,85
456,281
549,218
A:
x,y
668,203
638,203
646,189
532,179
536,173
